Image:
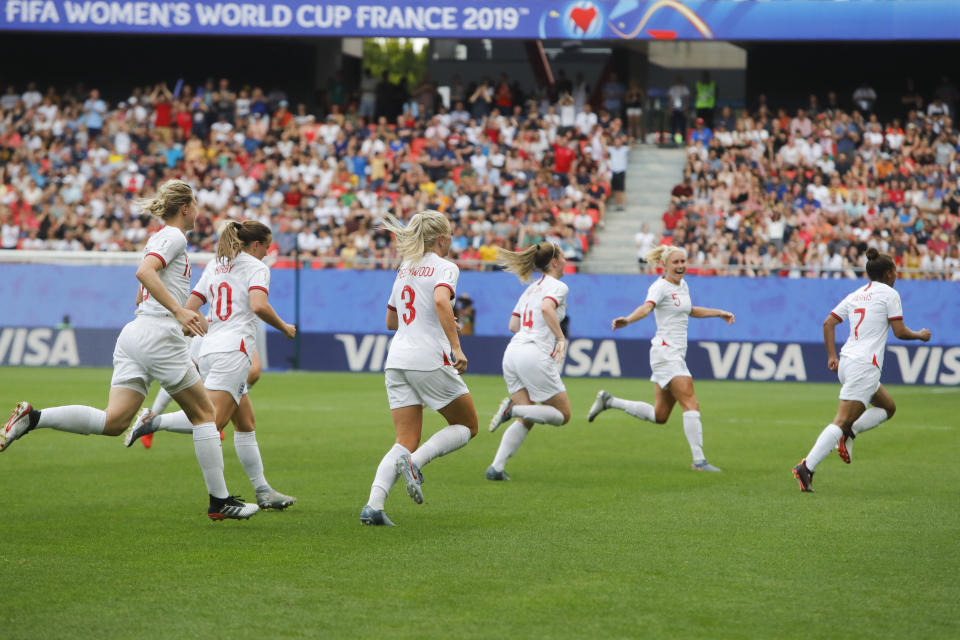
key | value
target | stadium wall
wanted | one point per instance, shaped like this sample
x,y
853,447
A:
x,y
777,335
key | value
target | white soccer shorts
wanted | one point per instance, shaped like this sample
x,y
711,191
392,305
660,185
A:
x,y
435,389
225,371
860,380
666,363
526,366
151,348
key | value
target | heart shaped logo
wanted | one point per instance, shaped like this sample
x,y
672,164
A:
x,y
583,18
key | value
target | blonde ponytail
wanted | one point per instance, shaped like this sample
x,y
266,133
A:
x,y
170,198
235,236
661,253
534,258
419,236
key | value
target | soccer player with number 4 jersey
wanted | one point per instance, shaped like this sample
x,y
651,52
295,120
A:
x,y
669,300
424,362
871,310
531,363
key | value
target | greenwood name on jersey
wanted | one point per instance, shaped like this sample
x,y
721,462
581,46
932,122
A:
x,y
420,343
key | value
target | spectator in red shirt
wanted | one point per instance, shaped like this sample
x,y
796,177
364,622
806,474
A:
x,y
671,218
162,103
564,159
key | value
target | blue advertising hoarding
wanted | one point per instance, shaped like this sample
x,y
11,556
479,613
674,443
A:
x,y
911,363
528,19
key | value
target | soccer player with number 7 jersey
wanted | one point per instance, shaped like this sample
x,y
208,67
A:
x,y
424,362
871,310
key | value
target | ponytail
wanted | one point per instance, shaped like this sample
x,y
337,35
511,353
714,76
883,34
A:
x,y
661,253
170,198
419,236
234,236
534,258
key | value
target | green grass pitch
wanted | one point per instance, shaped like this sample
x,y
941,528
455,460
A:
x,y
603,532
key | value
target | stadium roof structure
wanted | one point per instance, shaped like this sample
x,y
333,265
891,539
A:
x,y
737,20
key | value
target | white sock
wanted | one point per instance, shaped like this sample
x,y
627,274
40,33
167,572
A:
x,y
176,422
693,429
635,408
248,452
826,443
160,402
513,437
75,418
206,443
541,413
445,441
869,419
386,476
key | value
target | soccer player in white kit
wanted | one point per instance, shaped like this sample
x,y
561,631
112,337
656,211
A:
x,y
871,309
532,360
236,284
153,347
669,299
424,362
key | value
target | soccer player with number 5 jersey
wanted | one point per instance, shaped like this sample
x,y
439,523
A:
x,y
424,362
669,299
871,310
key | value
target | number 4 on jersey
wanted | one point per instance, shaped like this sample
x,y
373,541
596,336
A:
x,y
527,319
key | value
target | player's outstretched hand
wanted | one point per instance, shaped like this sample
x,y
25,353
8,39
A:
x,y
192,321
619,323
289,330
925,335
459,360
727,316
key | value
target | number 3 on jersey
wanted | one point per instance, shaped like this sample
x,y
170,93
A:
x,y
408,296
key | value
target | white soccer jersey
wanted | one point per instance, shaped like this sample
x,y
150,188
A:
x,y
533,328
870,310
170,246
226,286
420,344
672,312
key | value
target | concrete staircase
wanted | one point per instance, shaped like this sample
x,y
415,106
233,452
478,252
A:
x,y
651,175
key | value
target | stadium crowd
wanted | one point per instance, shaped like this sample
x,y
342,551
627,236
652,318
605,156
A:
x,y
505,172
805,195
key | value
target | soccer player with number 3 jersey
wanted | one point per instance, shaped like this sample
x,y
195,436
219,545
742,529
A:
x,y
871,310
424,362
532,361
669,299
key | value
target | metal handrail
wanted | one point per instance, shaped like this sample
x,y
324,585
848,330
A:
x,y
601,265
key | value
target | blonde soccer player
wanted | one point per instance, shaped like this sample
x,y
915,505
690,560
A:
x,y
669,300
236,285
153,347
532,360
424,362
872,310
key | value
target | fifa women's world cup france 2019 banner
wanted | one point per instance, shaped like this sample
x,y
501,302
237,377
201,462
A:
x,y
528,19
